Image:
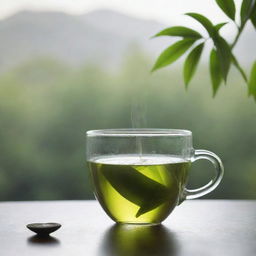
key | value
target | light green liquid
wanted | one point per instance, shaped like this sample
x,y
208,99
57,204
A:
x,y
133,189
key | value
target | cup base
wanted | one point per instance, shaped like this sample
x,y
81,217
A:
x,y
138,223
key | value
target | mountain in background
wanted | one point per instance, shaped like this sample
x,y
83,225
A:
x,y
101,37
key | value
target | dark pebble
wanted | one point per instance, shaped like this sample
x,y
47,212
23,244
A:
x,y
43,229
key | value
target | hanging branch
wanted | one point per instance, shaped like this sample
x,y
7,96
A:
x,y
221,56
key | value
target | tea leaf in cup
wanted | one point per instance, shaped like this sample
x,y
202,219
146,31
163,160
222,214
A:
x,y
136,187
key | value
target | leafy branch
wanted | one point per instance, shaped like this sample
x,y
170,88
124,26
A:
x,y
221,55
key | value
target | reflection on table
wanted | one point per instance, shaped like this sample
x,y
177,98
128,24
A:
x,y
138,240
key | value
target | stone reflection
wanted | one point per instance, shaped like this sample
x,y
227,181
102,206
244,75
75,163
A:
x,y
43,241
138,240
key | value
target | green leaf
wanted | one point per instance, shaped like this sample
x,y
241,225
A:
x,y
246,10
224,55
138,188
228,7
223,49
253,16
207,24
237,65
215,71
191,63
172,53
179,31
252,81
219,26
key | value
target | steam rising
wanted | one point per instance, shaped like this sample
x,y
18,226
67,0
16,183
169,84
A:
x,y
138,112
138,118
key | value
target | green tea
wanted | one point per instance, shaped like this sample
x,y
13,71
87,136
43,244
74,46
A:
x,y
133,189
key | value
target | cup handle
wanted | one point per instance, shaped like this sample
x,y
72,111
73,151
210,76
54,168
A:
x,y
219,171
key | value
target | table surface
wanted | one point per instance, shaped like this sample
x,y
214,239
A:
x,y
199,227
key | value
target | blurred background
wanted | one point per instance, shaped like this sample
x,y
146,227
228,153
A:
x,y
70,66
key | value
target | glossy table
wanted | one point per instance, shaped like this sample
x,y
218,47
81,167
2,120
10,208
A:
x,y
199,227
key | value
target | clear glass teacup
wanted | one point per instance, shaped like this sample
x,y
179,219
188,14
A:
x,y
140,175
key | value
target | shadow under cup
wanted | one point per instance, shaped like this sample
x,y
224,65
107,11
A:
x,y
140,175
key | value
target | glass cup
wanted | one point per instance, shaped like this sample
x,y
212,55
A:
x,y
140,175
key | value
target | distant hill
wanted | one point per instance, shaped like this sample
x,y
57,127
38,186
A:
x,y
101,36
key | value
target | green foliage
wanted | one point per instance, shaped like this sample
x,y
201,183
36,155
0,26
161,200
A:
x,y
252,81
253,16
246,10
192,62
173,52
215,71
179,31
205,22
219,26
228,7
221,56
224,55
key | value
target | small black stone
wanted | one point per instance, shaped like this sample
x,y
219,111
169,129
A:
x,y
43,229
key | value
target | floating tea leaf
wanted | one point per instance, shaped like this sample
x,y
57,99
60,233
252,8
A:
x,y
137,188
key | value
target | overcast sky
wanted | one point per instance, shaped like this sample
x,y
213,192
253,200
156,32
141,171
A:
x,y
162,10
